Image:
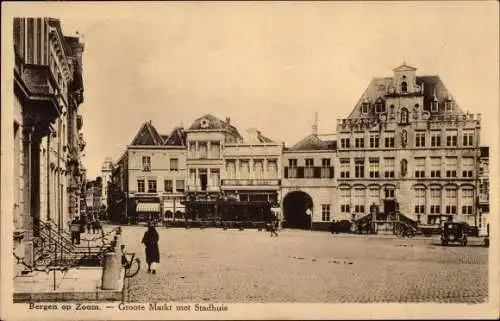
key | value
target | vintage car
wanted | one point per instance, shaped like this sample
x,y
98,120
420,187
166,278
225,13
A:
x,y
454,232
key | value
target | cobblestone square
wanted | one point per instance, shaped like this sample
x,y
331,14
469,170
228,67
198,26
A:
x,y
303,266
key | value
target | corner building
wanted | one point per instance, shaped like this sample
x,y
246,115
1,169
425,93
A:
x,y
408,140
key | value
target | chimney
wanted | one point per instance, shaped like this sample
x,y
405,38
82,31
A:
x,y
228,120
315,125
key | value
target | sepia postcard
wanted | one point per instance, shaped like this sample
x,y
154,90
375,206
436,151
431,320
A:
x,y
250,160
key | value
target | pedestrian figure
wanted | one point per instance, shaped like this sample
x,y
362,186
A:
x,y
89,223
75,230
150,240
272,229
97,226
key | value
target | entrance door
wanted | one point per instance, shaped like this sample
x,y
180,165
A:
x,y
203,182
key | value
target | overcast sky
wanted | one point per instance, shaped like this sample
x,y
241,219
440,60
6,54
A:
x,y
269,65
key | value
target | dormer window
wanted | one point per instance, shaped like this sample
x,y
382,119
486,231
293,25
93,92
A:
x,y
404,87
364,108
204,123
434,106
379,106
448,105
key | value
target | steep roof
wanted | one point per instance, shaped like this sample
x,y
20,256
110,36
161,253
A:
x,y
176,138
312,142
379,89
210,122
147,136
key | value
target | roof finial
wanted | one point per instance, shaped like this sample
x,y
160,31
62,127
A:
x,y
315,124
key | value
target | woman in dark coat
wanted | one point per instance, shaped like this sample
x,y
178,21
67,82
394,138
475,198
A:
x,y
150,240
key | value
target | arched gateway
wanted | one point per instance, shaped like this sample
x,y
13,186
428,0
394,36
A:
x,y
297,210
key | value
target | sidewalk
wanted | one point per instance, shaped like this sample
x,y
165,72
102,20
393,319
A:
x,y
77,284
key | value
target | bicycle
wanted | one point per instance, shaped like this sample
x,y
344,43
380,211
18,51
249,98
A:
x,y
131,266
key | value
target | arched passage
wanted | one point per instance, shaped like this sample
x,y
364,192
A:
x,y
295,206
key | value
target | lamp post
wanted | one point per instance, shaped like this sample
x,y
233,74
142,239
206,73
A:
x,y
309,213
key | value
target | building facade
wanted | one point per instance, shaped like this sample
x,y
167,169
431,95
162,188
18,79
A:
x,y
48,89
150,178
309,185
408,140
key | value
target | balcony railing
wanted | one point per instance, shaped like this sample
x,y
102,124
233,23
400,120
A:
x,y
309,172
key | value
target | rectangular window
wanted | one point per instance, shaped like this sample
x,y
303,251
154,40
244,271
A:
x,y
359,201
169,188
325,212
309,169
420,167
468,138
258,168
467,167
202,152
420,139
389,139
451,201
389,192
326,168
231,169
272,168
179,186
435,201
419,198
374,196
345,143
151,185
140,186
359,168
192,150
467,200
435,139
374,141
244,169
451,167
146,163
389,167
345,200
174,164
359,142
451,138
435,167
345,167
374,167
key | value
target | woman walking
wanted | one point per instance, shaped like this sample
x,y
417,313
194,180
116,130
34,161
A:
x,y
150,240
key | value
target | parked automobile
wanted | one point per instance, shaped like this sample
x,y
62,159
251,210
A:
x,y
343,226
455,232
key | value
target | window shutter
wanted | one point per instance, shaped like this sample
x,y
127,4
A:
x,y
300,172
317,172
331,173
286,172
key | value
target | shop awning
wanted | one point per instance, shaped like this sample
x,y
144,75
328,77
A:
x,y
148,207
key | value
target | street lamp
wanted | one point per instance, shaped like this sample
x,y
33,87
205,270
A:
x,y
309,213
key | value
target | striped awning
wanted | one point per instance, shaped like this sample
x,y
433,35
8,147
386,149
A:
x,y
148,207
